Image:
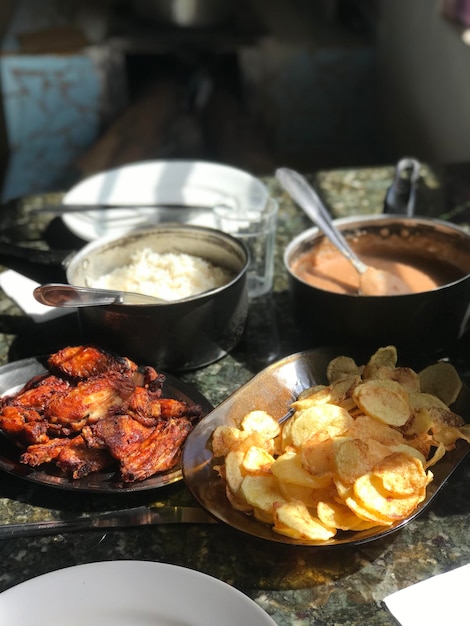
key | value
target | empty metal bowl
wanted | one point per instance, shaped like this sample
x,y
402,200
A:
x,y
175,336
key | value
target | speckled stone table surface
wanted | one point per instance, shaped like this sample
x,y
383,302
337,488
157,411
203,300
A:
x,y
296,586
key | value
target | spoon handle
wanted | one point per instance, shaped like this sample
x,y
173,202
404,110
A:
x,y
64,295
300,190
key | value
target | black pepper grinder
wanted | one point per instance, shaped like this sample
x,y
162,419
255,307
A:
x,y
400,198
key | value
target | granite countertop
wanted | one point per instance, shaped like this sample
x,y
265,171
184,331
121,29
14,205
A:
x,y
296,586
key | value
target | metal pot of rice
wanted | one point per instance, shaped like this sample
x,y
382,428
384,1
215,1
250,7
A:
x,y
199,272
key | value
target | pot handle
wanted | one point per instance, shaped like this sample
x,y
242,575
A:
x,y
400,198
33,255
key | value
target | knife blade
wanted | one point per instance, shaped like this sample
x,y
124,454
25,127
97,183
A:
x,y
62,209
123,518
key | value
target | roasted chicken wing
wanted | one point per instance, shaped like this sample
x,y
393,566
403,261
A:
x,y
89,401
86,361
46,452
23,425
37,392
79,460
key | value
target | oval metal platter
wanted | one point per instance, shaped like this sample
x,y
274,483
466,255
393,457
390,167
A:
x,y
273,390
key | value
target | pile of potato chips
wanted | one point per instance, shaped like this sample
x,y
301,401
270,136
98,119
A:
x,y
355,453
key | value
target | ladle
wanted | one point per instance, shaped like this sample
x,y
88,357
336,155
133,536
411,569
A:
x,y
372,281
64,295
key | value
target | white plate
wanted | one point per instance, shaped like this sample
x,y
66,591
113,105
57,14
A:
x,y
192,183
128,593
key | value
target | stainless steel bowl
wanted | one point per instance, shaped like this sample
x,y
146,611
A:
x,y
175,336
427,322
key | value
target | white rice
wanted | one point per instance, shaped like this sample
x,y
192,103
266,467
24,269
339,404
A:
x,y
170,276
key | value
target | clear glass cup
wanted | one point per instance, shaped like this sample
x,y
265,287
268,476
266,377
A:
x,y
256,227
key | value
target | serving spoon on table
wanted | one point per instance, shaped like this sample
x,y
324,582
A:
x,y
372,281
64,295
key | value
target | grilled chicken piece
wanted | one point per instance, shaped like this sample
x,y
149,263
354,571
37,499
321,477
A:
x,y
146,409
86,361
77,459
149,378
90,401
116,433
141,451
41,453
170,407
23,425
159,452
142,408
37,392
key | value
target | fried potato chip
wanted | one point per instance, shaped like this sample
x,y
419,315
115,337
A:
x,y
288,468
257,461
286,435
400,474
320,394
318,458
262,493
342,367
341,390
261,422
411,451
294,519
439,453
234,473
421,443
337,515
364,525
225,438
383,357
366,427
372,497
237,502
318,423
355,457
448,435
446,418
260,440
405,376
327,494
442,380
291,491
424,400
385,400
335,393
347,495
465,430
309,391
419,422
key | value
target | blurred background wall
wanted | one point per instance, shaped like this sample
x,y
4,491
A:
x,y
91,84
423,78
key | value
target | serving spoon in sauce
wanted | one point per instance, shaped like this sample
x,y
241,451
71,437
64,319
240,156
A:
x,y
64,295
372,281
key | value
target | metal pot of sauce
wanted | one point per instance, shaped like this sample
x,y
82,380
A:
x,y
431,256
